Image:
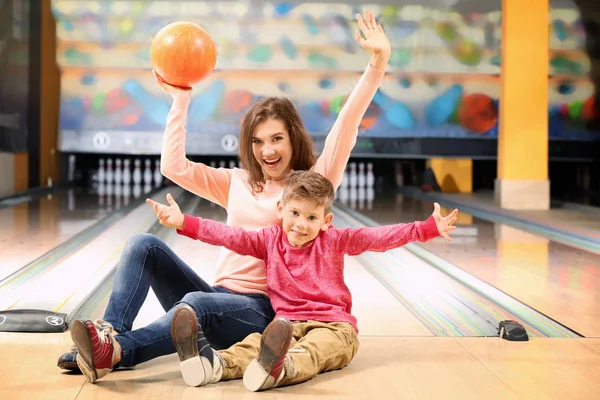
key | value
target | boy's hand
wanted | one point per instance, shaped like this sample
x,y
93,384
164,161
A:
x,y
444,224
169,216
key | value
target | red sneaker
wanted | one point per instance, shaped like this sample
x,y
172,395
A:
x,y
97,352
68,360
267,370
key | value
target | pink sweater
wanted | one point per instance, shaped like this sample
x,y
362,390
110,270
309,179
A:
x,y
230,189
307,283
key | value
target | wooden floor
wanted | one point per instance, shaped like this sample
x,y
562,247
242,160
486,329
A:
x,y
31,230
384,368
398,357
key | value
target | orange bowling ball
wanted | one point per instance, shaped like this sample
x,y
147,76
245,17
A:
x,y
183,54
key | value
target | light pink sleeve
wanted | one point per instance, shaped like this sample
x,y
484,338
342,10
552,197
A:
x,y
341,139
202,180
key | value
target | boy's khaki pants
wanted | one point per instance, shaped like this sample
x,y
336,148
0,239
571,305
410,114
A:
x,y
316,347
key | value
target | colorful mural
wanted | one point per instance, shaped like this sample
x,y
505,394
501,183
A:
x,y
443,78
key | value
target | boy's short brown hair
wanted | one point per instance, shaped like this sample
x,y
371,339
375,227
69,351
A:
x,y
309,185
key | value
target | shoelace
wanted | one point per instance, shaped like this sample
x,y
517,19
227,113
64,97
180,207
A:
x,y
290,366
104,329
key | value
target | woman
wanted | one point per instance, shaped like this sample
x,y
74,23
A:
x,y
273,141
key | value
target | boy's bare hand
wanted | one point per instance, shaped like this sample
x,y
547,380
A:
x,y
444,224
169,216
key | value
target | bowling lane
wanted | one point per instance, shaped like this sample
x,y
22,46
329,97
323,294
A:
x,y
559,281
569,226
62,284
32,229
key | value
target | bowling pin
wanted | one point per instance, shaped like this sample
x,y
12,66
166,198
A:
x,y
361,179
158,178
147,172
118,172
72,167
126,172
353,176
370,178
109,171
101,174
137,172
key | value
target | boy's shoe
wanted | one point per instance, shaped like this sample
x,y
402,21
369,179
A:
x,y
267,370
68,360
97,349
199,363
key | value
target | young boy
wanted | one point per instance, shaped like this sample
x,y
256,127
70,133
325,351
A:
x,y
314,330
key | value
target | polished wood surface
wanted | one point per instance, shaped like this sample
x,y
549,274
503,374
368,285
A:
x,y
30,230
566,218
385,367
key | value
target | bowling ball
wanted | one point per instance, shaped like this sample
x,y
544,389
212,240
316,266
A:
x,y
478,113
183,54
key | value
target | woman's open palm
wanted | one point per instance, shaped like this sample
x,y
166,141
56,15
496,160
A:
x,y
375,40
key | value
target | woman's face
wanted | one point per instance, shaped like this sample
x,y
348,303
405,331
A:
x,y
272,149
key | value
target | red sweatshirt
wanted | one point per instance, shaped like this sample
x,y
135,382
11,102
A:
x,y
307,283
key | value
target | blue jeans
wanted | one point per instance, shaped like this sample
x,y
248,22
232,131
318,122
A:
x,y
146,261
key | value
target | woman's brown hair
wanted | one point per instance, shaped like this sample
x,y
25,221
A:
x,y
279,108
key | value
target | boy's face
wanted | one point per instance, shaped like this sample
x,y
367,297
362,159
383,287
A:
x,y
302,220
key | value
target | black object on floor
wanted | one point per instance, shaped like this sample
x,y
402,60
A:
x,y
32,321
512,331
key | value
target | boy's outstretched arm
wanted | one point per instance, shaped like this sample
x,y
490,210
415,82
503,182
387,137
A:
x,y
248,243
354,241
